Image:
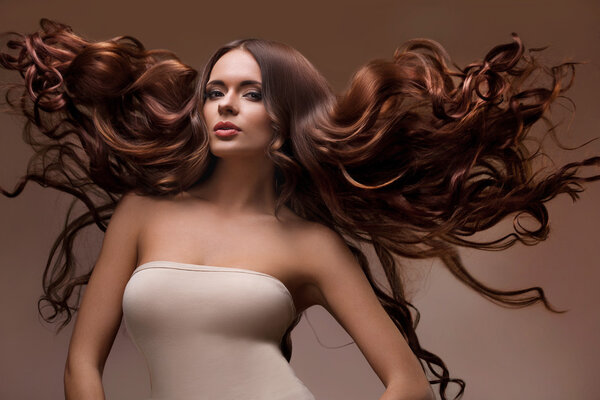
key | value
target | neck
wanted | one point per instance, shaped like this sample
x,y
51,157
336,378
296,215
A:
x,y
240,186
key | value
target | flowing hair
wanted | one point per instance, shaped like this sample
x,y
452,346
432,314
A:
x,y
104,118
413,159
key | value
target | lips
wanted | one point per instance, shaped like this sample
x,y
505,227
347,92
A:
x,y
226,129
226,125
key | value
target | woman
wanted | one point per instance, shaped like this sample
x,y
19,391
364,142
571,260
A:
x,y
412,159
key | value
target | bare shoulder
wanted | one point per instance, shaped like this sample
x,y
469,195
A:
x,y
133,205
121,240
133,211
133,200
321,237
325,257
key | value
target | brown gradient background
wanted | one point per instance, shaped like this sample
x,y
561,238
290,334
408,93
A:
x,y
502,354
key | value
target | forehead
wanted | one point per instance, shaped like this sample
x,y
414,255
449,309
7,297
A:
x,y
234,66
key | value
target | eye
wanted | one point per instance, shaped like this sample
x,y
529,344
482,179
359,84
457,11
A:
x,y
255,96
212,93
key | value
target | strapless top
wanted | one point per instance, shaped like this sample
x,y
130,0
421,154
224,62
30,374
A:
x,y
212,333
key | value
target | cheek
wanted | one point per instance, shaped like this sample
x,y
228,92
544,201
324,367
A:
x,y
267,128
263,120
267,123
205,111
210,109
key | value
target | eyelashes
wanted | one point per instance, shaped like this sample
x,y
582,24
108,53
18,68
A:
x,y
256,96
211,94
253,95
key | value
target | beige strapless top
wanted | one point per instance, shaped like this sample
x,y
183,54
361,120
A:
x,y
212,333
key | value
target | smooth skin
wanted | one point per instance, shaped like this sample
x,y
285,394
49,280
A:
x,y
229,221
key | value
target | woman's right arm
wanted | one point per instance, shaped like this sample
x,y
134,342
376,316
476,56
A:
x,y
100,312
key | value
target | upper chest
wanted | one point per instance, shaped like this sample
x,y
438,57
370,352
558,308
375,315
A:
x,y
194,233
213,236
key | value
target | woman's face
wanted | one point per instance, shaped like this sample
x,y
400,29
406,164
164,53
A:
x,y
235,115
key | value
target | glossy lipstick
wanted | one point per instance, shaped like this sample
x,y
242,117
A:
x,y
226,129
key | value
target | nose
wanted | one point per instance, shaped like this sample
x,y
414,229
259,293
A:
x,y
227,105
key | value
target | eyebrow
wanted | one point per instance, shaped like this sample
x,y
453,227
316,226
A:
x,y
242,84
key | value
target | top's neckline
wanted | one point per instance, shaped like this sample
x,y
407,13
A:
x,y
232,269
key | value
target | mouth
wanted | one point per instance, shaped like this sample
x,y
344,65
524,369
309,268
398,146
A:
x,y
226,129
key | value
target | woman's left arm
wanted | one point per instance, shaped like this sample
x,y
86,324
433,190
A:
x,y
346,293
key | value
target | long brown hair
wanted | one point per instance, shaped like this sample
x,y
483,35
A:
x,y
413,159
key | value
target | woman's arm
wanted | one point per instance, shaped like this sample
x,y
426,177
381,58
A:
x,y
99,316
348,296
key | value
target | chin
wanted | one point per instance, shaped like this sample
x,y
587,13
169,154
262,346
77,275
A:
x,y
235,151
